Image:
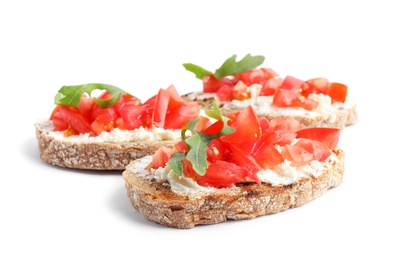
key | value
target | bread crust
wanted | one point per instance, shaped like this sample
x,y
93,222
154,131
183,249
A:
x,y
159,204
93,155
340,118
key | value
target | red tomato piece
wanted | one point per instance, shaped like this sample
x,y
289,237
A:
x,y
315,85
284,97
133,116
304,151
327,136
292,83
175,99
75,119
214,128
221,174
85,105
286,123
267,156
306,103
161,108
105,120
279,137
270,87
181,146
338,92
254,76
247,127
269,73
239,157
160,157
224,93
216,151
54,111
59,124
211,84
202,124
179,117
239,91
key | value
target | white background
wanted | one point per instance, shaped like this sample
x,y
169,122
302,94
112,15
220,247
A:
x,y
55,213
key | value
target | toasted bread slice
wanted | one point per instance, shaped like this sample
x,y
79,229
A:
x,y
84,152
157,202
338,115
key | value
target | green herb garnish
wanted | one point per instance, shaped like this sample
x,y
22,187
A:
x,y
198,142
228,68
71,95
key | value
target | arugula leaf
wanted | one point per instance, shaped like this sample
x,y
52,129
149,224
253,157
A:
x,y
197,153
176,162
71,95
198,142
216,114
197,70
231,67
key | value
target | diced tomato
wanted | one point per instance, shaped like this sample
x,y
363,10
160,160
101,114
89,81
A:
x,y
286,123
105,120
188,170
74,118
70,131
85,105
270,87
279,137
284,97
327,136
160,157
211,84
216,151
178,117
202,124
269,73
161,108
239,91
126,100
289,94
133,116
221,174
59,124
267,156
264,123
247,127
171,111
241,158
224,93
315,85
304,151
254,76
338,92
292,83
306,103
181,146
175,99
54,111
214,128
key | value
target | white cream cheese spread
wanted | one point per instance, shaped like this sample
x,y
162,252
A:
x,y
116,135
282,174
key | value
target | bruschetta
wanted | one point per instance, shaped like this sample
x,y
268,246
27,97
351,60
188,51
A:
x,y
238,84
106,131
234,167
